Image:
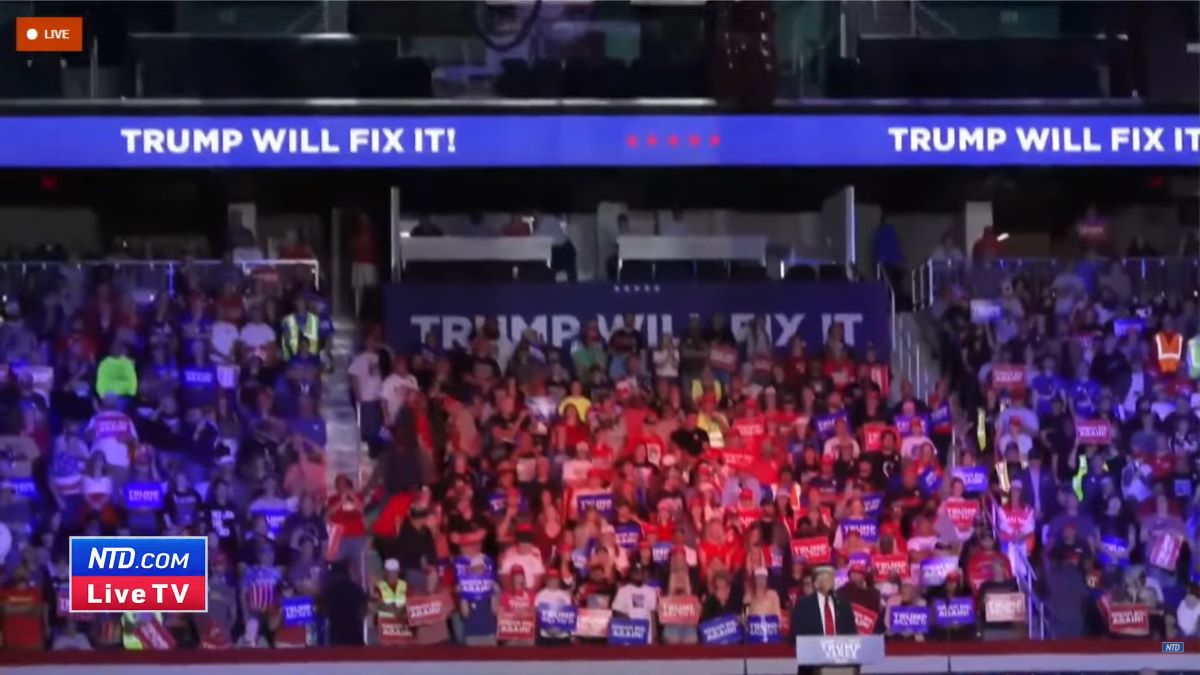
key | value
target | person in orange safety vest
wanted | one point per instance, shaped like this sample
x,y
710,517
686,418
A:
x,y
1168,348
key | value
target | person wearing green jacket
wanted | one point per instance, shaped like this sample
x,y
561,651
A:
x,y
116,375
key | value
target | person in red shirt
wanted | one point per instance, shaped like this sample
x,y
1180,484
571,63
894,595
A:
x,y
345,509
22,613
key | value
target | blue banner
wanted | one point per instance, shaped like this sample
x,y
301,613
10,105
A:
x,y
827,424
475,587
24,488
559,311
1114,551
558,619
723,630
955,612
462,565
628,535
974,478
909,619
867,529
144,496
628,632
660,552
329,141
763,629
906,428
931,481
872,504
274,517
602,502
298,612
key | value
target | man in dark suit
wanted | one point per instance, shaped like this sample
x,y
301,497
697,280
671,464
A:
x,y
822,612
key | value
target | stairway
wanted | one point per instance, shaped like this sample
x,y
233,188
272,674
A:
x,y
345,452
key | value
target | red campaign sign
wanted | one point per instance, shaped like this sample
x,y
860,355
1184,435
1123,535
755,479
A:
x,y
723,357
1004,607
962,512
1164,550
394,632
1126,619
762,364
1015,523
679,610
737,459
812,550
1008,376
888,564
427,610
212,636
873,435
864,619
154,636
515,625
1093,431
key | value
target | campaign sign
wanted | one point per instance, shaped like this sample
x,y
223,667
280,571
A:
x,y
592,622
394,632
1097,432
23,488
1126,619
515,625
887,565
298,611
143,496
763,629
1164,550
827,424
985,310
679,610
935,569
602,502
154,635
914,620
427,610
138,574
723,357
628,535
812,550
1114,550
660,552
961,512
974,478
864,619
628,632
559,619
867,529
475,587
1004,607
1008,376
873,436
912,425
274,517
872,504
452,312
723,630
930,481
1126,325
954,612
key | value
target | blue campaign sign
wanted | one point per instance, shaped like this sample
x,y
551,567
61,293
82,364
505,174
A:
x,y
628,535
475,586
909,619
274,517
298,611
91,141
143,495
866,528
762,629
602,502
557,619
954,612
25,488
660,552
931,481
872,504
723,630
974,478
628,632
827,424
559,312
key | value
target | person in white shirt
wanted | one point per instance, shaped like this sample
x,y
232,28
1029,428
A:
x,y
553,597
910,447
366,383
526,556
396,388
257,336
223,338
635,599
1187,616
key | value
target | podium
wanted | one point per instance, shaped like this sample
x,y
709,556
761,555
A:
x,y
837,654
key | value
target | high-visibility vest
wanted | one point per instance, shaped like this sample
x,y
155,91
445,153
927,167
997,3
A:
x,y
397,596
129,638
1194,357
292,333
1168,349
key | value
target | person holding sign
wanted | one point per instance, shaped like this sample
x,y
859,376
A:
x,y
389,597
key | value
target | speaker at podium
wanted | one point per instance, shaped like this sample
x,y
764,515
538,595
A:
x,y
837,654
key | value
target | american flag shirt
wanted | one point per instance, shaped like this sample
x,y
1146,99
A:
x,y
260,584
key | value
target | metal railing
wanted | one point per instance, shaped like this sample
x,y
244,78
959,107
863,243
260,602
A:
x,y
934,279
158,276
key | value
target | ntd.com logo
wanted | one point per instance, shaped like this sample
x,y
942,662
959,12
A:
x,y
139,574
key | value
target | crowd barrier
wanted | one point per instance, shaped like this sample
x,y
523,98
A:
x,y
152,275
1062,656
934,278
